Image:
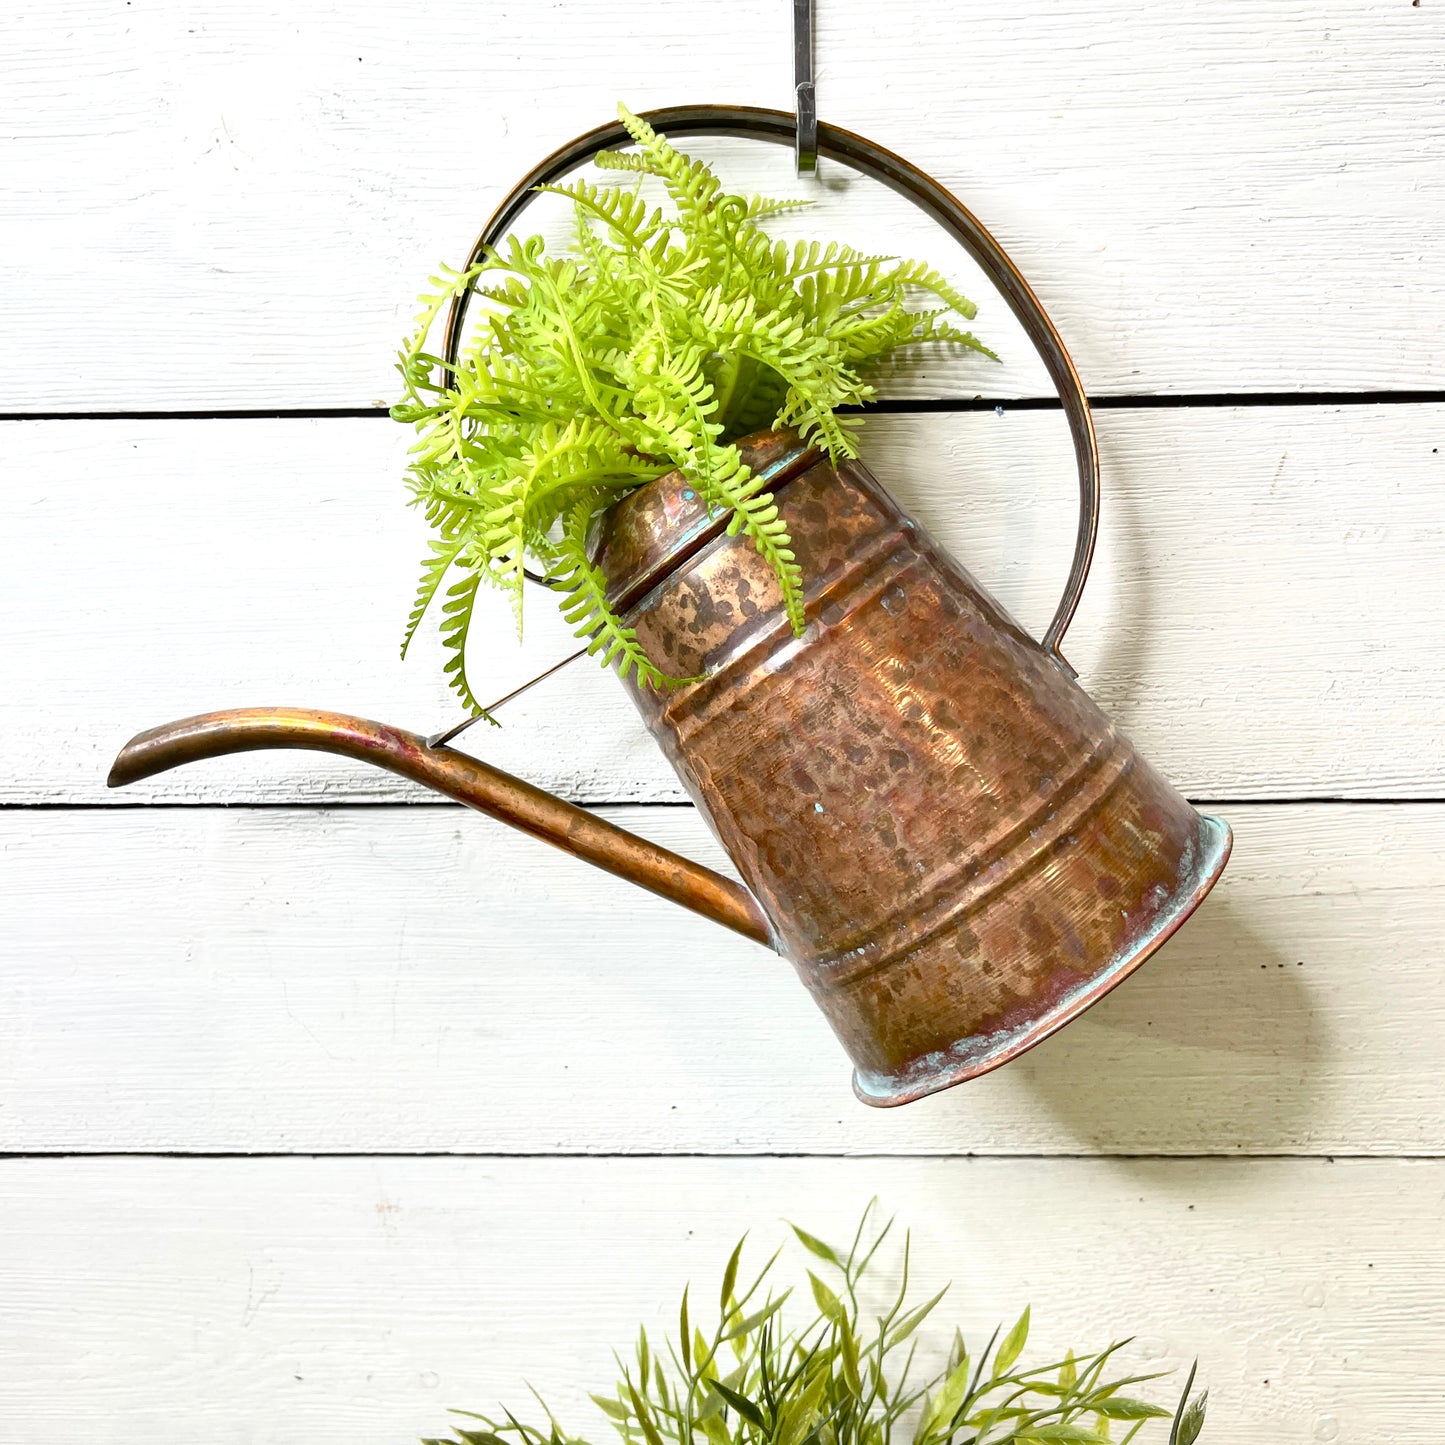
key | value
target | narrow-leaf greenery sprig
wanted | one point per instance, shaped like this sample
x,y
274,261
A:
x,y
658,341
751,1378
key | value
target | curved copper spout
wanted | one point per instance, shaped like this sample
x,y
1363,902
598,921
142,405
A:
x,y
487,789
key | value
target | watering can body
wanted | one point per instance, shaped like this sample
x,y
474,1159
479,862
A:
x,y
954,846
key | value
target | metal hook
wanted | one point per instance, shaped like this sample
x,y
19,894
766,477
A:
x,y
804,94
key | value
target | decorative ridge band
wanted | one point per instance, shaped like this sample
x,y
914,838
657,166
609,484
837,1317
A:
x,y
628,593
864,577
1096,782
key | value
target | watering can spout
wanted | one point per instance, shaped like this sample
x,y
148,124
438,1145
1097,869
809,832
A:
x,y
455,775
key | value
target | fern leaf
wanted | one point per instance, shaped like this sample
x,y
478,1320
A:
x,y
622,161
759,207
586,608
457,613
758,517
691,184
925,278
624,214
434,569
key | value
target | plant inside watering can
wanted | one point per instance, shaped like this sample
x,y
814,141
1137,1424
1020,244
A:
x,y
665,336
855,1371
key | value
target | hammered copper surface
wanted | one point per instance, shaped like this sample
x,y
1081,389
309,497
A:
x,y
957,849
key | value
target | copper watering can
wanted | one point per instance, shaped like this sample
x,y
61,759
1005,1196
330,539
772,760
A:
x,y
951,843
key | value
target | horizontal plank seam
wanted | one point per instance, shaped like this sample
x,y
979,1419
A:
x,y
1240,1156
313,805
1159,401
902,406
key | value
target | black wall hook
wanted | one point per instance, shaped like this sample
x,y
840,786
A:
x,y
805,96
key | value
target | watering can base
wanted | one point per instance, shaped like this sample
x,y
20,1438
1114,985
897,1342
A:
x,y
981,1053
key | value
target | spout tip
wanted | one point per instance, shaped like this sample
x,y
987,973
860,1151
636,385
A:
x,y
238,730
158,749
129,765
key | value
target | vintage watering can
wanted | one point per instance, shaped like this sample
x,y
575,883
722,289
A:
x,y
951,843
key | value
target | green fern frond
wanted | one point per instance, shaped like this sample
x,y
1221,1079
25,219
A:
x,y
434,569
691,184
810,257
758,517
457,613
624,213
668,332
930,329
622,161
759,207
586,609
925,278
819,424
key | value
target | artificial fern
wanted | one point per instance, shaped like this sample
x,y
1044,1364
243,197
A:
x,y
661,339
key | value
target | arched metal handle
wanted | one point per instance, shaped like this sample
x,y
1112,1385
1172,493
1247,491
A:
x,y
780,128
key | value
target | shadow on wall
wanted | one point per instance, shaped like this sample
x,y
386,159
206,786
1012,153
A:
x,y
1216,1037
1226,1050
1124,658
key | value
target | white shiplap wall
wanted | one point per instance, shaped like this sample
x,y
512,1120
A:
x,y
214,208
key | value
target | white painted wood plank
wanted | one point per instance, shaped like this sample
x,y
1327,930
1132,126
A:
x,y
283,1302
419,979
1263,617
218,206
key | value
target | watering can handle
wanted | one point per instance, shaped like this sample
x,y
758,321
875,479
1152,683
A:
x,y
780,128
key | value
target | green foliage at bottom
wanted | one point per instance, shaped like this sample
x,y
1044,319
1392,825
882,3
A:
x,y
850,1375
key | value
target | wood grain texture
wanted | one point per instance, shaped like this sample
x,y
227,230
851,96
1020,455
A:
x,y
335,1302
220,206
419,979
1263,618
